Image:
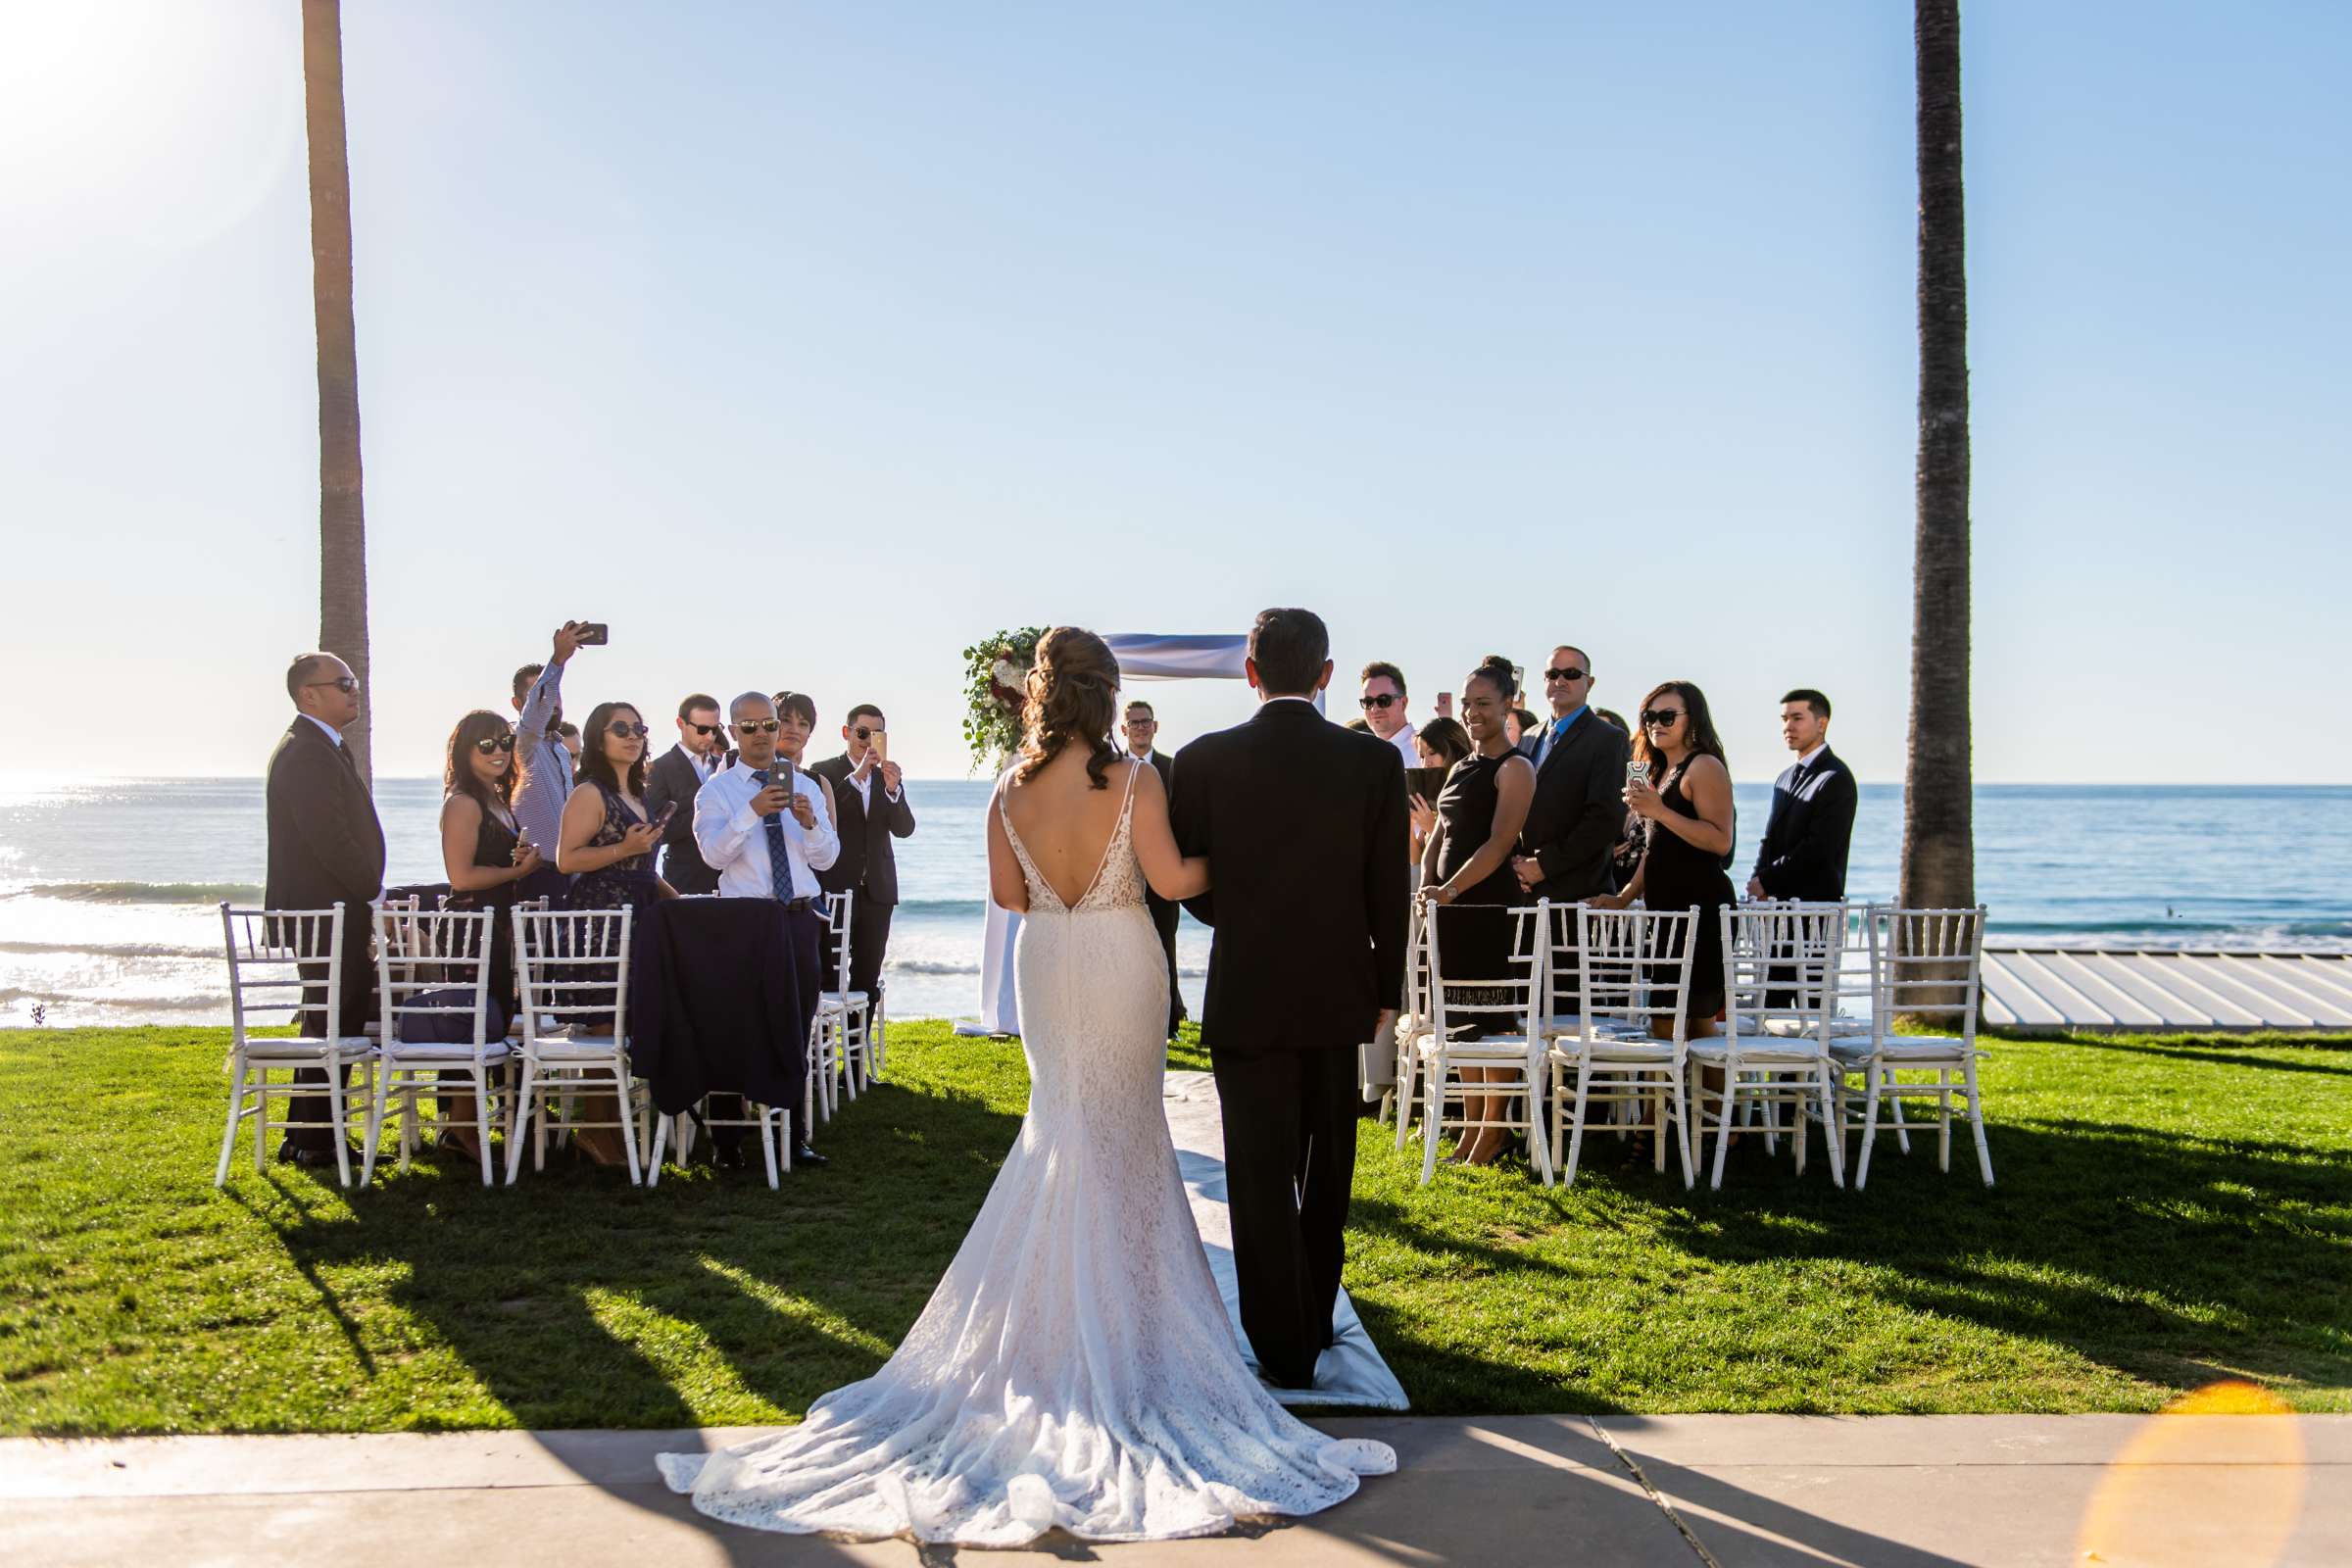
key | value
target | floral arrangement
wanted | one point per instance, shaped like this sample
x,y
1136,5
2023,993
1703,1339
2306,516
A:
x,y
995,677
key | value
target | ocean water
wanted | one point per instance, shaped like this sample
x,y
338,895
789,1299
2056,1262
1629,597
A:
x,y
108,889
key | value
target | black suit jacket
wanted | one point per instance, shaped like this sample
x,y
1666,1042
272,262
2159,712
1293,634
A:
x,y
326,844
1303,824
1165,767
1812,824
672,778
1578,812
868,865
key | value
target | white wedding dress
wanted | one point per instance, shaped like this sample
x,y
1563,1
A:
x,y
1075,1367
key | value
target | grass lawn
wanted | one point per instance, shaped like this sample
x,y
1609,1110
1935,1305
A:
x,y
2170,1212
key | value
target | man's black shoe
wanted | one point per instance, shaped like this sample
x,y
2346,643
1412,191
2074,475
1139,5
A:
x,y
314,1158
726,1156
805,1155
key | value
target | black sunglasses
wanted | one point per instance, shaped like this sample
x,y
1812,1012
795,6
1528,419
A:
x,y
1571,674
864,733
494,743
1383,700
1652,717
705,730
756,726
622,727
341,683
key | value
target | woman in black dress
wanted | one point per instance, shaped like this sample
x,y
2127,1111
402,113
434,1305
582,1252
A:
x,y
485,862
606,847
1686,799
1466,873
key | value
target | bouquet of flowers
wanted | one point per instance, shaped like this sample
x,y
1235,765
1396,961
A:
x,y
996,673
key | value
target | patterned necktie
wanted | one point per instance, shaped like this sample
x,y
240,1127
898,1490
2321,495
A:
x,y
779,862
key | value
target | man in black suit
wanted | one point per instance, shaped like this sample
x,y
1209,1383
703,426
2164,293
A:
x,y
1812,823
870,793
675,778
1303,824
325,848
1578,812
1141,727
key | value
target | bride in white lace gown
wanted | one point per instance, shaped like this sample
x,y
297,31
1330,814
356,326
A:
x,y
1075,1367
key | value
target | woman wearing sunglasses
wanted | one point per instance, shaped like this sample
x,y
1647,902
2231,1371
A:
x,y
607,849
485,860
1683,795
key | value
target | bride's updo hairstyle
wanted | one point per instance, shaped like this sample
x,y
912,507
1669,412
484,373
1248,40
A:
x,y
1073,701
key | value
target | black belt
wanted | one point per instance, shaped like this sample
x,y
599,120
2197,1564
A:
x,y
799,903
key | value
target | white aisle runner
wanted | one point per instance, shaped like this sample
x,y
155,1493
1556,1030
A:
x,y
1351,1372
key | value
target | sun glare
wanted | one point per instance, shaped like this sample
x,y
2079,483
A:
x,y
160,122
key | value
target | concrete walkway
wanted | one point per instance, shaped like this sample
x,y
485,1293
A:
x,y
1899,1490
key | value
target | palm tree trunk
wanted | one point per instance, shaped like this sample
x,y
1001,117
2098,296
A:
x,y
1938,836
342,524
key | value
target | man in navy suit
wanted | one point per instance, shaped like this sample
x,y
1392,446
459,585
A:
x,y
1812,823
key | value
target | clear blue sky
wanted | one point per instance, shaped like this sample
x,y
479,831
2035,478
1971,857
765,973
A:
x,y
806,343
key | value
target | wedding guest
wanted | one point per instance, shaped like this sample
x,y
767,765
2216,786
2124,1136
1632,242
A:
x,y
1812,822
796,721
483,856
770,844
1359,727
675,778
1686,798
1140,727
325,848
1612,716
1579,812
606,845
1466,875
1518,724
870,797
1383,700
570,734
545,763
1438,745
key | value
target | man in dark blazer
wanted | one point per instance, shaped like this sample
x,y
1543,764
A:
x,y
1140,725
870,794
326,848
676,776
1578,812
1812,822
1303,824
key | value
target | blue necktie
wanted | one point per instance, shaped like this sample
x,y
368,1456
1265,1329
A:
x,y
1551,734
779,862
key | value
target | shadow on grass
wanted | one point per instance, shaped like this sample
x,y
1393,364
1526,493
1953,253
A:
x,y
2167,1256
2143,1048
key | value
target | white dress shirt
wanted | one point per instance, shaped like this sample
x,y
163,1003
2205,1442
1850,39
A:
x,y
865,787
1403,740
733,838
333,733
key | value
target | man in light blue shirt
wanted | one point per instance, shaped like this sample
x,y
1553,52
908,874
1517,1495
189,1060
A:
x,y
545,761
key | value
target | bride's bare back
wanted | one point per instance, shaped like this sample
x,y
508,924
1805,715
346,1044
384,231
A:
x,y
1066,825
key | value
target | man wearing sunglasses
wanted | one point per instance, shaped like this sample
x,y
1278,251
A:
x,y
1578,812
326,847
872,793
1383,703
676,777
768,841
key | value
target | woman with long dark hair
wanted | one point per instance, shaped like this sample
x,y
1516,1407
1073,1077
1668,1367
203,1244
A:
x,y
1466,873
1681,788
485,860
608,851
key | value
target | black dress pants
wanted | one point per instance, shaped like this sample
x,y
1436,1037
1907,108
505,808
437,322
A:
x,y
310,1114
1289,1162
870,944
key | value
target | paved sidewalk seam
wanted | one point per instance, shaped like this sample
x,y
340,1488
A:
x,y
1690,1537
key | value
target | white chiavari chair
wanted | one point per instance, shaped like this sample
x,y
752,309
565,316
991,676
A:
x,y
268,953
1779,961
1633,976
432,979
842,1035
1403,1092
1928,963
573,966
1510,1062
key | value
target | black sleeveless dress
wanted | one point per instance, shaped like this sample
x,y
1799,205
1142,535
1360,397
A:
x,y
1476,932
625,884
494,846
1683,876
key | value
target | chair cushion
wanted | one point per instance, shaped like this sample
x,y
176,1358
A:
x,y
308,1047
1840,1028
575,1048
438,1051
1500,1047
1760,1051
1903,1048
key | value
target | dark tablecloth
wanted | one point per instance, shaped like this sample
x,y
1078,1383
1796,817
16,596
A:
x,y
715,1003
